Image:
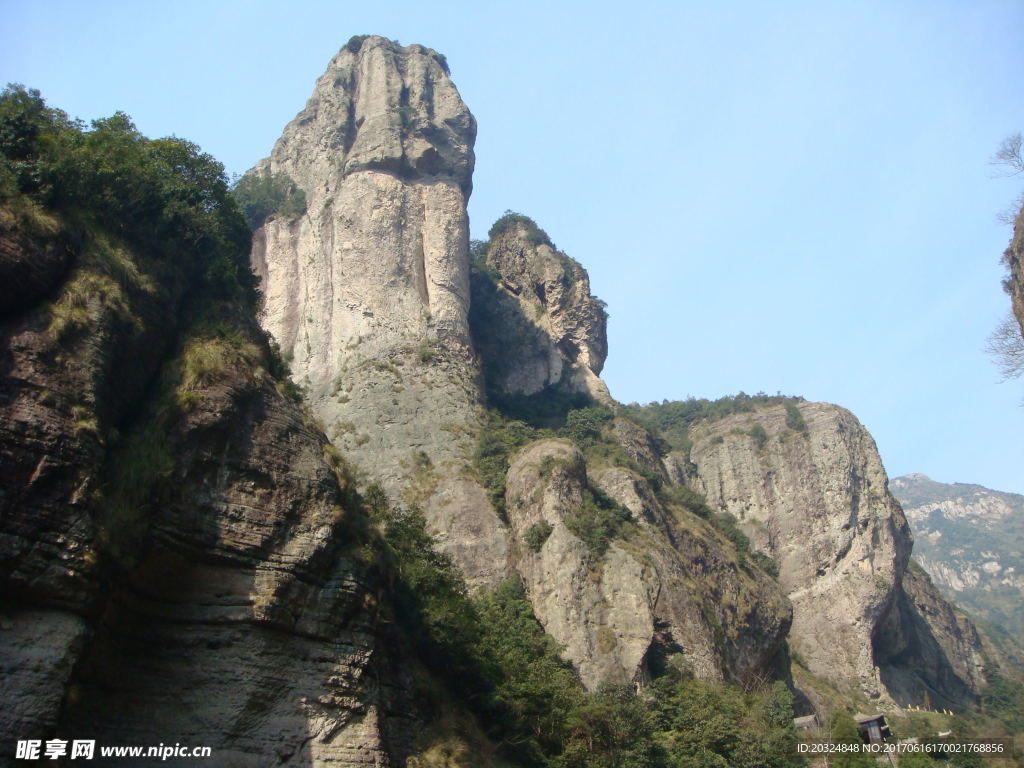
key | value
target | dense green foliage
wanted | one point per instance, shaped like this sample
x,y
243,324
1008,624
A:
x,y
430,596
1003,699
547,409
672,419
535,687
159,248
536,535
534,234
261,195
712,725
498,440
795,419
584,425
598,520
162,196
355,43
760,435
843,730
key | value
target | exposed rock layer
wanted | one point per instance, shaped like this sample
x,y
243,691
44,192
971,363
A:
x,y
666,587
817,501
220,605
367,292
538,326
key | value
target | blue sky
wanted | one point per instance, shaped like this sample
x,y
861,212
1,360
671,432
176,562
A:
x,y
788,196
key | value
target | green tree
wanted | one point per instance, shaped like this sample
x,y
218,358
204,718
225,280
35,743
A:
x,y
536,688
843,730
916,760
612,729
261,195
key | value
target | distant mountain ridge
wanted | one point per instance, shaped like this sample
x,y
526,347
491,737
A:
x,y
970,539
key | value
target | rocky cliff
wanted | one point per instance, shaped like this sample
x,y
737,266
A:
x,y
368,294
659,587
970,540
370,285
184,554
367,291
372,295
1014,260
535,322
806,484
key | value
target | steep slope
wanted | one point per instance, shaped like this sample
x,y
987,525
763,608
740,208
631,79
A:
x,y
1014,260
183,557
536,324
367,291
970,540
626,584
806,484
625,579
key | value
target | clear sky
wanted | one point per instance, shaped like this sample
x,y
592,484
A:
x,y
785,196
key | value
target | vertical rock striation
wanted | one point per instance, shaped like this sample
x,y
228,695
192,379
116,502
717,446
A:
x,y
667,589
367,292
812,493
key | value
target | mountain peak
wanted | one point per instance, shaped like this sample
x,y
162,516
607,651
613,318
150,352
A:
x,y
379,106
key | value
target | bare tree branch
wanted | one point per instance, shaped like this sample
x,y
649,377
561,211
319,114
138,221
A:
x,y
1010,213
1008,159
1006,345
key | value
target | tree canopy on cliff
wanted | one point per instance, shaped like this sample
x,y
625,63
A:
x,y
163,195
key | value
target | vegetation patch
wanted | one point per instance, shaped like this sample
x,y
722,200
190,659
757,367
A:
x,y
672,420
598,520
261,195
512,220
530,702
355,43
211,353
795,419
498,440
760,436
164,198
537,534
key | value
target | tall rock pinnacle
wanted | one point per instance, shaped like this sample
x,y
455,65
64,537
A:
x,y
367,292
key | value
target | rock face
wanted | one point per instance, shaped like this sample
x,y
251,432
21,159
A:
x,y
929,653
666,587
179,563
371,285
183,556
537,325
814,497
249,599
367,292
1014,259
970,541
